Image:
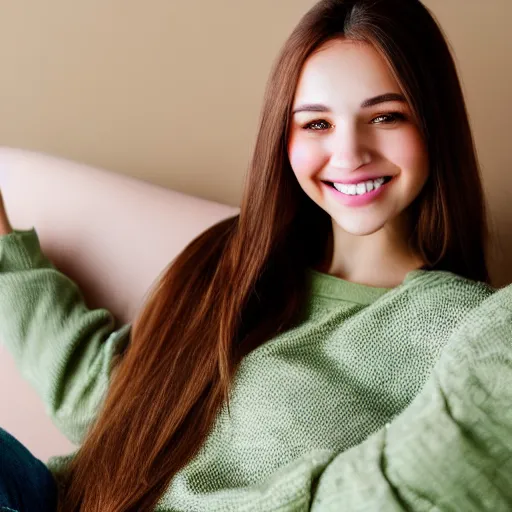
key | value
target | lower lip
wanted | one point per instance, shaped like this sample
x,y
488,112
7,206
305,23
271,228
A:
x,y
358,200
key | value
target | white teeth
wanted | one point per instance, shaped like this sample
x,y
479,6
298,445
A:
x,y
359,188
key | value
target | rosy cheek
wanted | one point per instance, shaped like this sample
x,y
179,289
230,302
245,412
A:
x,y
410,153
304,158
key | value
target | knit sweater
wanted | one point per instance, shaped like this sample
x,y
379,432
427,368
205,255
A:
x,y
379,400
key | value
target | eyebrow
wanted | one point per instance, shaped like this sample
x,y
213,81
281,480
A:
x,y
382,98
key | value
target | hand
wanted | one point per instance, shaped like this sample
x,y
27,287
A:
x,y
5,225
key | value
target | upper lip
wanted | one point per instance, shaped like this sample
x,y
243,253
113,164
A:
x,y
360,179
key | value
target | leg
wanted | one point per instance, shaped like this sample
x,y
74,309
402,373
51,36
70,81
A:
x,y
26,484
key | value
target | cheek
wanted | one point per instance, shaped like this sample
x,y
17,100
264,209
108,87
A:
x,y
305,158
410,154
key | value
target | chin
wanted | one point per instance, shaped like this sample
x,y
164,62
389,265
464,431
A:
x,y
359,229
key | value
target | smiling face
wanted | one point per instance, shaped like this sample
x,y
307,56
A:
x,y
342,133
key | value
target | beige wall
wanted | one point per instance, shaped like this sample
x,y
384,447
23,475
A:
x,y
171,92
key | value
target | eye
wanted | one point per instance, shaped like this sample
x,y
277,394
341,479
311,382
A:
x,y
317,125
390,118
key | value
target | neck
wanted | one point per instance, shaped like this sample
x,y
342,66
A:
x,y
381,259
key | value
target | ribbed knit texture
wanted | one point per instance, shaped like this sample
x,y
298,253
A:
x,y
381,399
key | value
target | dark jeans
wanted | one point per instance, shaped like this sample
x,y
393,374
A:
x,y
26,485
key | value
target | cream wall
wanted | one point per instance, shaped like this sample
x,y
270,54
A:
x,y
170,90
167,90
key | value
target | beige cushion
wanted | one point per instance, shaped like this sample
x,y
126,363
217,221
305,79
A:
x,y
111,233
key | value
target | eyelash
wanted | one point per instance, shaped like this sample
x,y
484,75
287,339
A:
x,y
395,116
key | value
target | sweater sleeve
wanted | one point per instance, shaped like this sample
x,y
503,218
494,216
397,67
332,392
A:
x,y
451,449
60,346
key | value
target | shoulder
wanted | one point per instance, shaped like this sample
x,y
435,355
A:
x,y
433,301
477,361
444,287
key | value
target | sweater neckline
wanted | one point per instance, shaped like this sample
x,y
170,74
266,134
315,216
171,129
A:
x,y
332,287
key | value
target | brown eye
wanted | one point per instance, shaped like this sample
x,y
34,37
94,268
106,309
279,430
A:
x,y
390,118
318,125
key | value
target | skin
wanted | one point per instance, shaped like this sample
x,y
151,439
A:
x,y
368,244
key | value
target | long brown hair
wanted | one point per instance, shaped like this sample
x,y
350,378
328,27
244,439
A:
x,y
244,279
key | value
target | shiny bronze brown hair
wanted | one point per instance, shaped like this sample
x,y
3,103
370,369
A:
x,y
244,280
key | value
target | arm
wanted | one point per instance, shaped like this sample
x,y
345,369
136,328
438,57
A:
x,y
451,449
64,349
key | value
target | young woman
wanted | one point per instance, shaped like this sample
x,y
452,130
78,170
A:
x,y
335,345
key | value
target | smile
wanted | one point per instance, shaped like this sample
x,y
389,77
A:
x,y
349,195
360,188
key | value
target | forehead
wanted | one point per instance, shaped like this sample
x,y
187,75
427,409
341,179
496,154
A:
x,y
343,73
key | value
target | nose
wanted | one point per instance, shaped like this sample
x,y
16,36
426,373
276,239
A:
x,y
348,149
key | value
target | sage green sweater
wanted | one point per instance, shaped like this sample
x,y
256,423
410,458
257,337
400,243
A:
x,y
380,400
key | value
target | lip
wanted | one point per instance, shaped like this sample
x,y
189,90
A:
x,y
358,200
361,179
